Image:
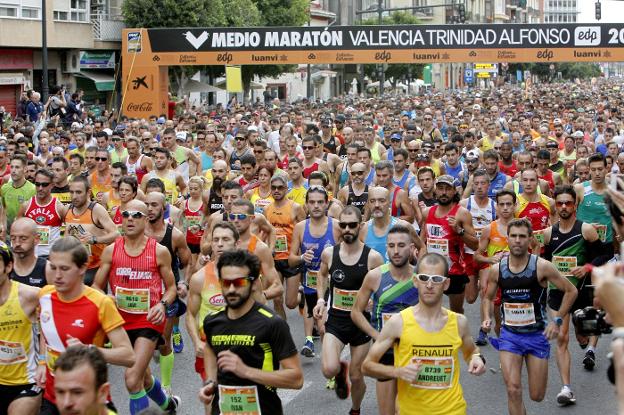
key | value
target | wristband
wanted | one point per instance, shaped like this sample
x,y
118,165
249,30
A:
x,y
209,382
588,268
480,356
186,284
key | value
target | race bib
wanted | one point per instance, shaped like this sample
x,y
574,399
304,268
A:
x,y
281,244
539,235
169,196
133,301
311,279
434,373
44,235
12,353
239,400
385,317
602,231
519,314
193,221
51,356
478,233
439,246
343,299
564,264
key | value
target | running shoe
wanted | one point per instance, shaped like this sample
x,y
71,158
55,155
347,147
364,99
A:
x,y
174,404
308,349
481,338
566,397
331,384
342,381
176,339
589,361
354,412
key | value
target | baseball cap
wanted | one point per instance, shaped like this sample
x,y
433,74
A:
x,y
557,121
161,120
108,131
472,154
340,118
396,137
578,134
76,125
181,136
446,179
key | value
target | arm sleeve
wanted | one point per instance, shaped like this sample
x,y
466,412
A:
x,y
282,343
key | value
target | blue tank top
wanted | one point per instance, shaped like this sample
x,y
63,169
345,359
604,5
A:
x,y
206,162
370,178
378,243
391,297
454,171
310,271
401,183
497,184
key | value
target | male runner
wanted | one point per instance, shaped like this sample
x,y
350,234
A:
x,y
28,268
400,206
173,181
427,339
137,268
344,266
497,178
137,163
249,350
391,288
447,228
183,156
212,197
18,190
19,394
523,279
355,193
72,313
100,179
310,237
543,162
538,208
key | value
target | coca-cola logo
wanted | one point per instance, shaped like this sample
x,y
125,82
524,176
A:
x,y
143,106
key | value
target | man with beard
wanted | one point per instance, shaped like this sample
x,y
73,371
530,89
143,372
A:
x,y
497,178
447,228
507,165
522,278
137,163
47,212
356,192
402,176
344,265
110,200
418,332
28,268
426,181
400,206
391,289
175,242
172,214
283,214
212,197
90,223
310,237
60,190
240,373
175,186
544,173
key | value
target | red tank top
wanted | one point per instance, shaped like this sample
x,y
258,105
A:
x,y
508,170
136,283
135,168
442,239
309,170
549,179
193,218
396,209
43,215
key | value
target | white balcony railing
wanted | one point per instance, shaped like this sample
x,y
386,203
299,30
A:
x,y
106,28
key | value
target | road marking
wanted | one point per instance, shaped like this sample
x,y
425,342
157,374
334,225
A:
x,y
287,395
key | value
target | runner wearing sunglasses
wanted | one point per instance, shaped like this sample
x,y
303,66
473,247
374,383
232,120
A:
x,y
356,192
344,265
427,340
137,267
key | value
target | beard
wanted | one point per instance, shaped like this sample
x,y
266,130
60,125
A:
x,y
444,200
156,218
399,263
216,183
349,238
237,300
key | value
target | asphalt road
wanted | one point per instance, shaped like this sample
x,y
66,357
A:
x,y
484,395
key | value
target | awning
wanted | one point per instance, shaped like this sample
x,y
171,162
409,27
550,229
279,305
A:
x,y
254,85
102,81
196,86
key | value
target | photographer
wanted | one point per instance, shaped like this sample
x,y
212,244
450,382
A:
x,y
74,110
56,102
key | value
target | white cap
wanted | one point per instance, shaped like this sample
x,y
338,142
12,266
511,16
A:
x,y
76,125
181,135
578,134
108,131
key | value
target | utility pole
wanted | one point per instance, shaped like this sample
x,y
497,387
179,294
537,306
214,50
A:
x,y
44,53
382,72
309,74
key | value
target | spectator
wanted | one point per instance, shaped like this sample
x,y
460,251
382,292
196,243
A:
x,y
34,108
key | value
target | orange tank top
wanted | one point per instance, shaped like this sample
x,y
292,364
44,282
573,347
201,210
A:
x,y
80,225
281,219
97,186
498,243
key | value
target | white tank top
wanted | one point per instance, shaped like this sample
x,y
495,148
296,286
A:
x,y
481,217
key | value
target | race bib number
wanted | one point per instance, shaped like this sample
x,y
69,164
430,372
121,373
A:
x,y
51,356
281,244
239,400
44,235
385,317
519,314
478,233
564,264
311,279
539,235
193,224
12,353
133,301
439,246
169,196
434,373
602,232
343,299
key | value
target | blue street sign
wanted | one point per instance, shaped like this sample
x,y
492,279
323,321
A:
x,y
468,76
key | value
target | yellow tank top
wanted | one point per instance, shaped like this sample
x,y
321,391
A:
x,y
171,187
260,202
298,195
18,361
437,390
212,300
498,243
113,202
435,166
98,185
375,153
486,144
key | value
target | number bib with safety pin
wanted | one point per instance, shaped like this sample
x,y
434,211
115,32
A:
x,y
602,232
133,301
343,299
51,356
192,221
439,246
281,243
519,314
564,265
435,373
12,353
311,279
239,400
44,235
539,235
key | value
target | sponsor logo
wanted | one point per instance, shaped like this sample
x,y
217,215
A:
x,y
198,41
344,57
384,56
445,56
506,54
156,58
143,106
139,82
134,42
587,53
545,54
264,58
78,323
217,300
188,59
472,53
338,276
425,56
311,56
587,36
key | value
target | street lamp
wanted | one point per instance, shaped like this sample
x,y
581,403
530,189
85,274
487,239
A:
x,y
44,52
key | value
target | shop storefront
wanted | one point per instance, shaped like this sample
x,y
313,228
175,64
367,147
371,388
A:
x,y
15,67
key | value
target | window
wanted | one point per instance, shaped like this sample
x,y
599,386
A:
x,y
30,13
8,11
60,15
78,11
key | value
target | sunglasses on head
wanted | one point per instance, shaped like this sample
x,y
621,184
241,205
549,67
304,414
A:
x,y
236,282
238,216
134,213
42,184
436,279
350,225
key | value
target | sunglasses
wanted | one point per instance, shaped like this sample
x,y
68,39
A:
x,y
238,216
134,213
436,279
350,225
278,187
564,204
42,184
413,150
357,173
308,147
101,159
240,138
236,282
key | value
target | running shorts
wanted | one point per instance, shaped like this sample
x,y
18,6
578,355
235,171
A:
x,y
10,393
281,265
346,331
147,333
458,284
584,299
523,344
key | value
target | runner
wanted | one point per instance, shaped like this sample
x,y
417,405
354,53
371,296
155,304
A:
x,y
28,268
356,192
186,159
111,198
72,313
100,179
415,333
137,163
538,208
426,182
544,172
174,183
523,279
400,206
243,373
137,267
19,393
344,265
212,197
18,190
128,190
194,215
60,168
310,237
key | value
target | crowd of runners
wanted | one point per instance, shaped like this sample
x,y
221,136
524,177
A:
x,y
364,214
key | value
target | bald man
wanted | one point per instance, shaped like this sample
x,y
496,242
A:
x,y
213,201
374,232
136,266
27,267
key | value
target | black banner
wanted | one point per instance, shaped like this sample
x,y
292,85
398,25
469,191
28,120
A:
x,y
488,36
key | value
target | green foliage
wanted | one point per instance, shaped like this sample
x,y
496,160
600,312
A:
x,y
173,13
569,70
283,12
395,71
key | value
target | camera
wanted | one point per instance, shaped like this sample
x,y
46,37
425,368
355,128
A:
x,y
590,321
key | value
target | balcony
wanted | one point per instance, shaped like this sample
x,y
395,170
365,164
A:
x,y
106,28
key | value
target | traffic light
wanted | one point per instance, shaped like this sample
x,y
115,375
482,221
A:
x,y
598,11
462,13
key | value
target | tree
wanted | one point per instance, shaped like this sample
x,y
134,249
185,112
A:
x,y
395,71
569,70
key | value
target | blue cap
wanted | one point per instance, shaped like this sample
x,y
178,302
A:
x,y
396,136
